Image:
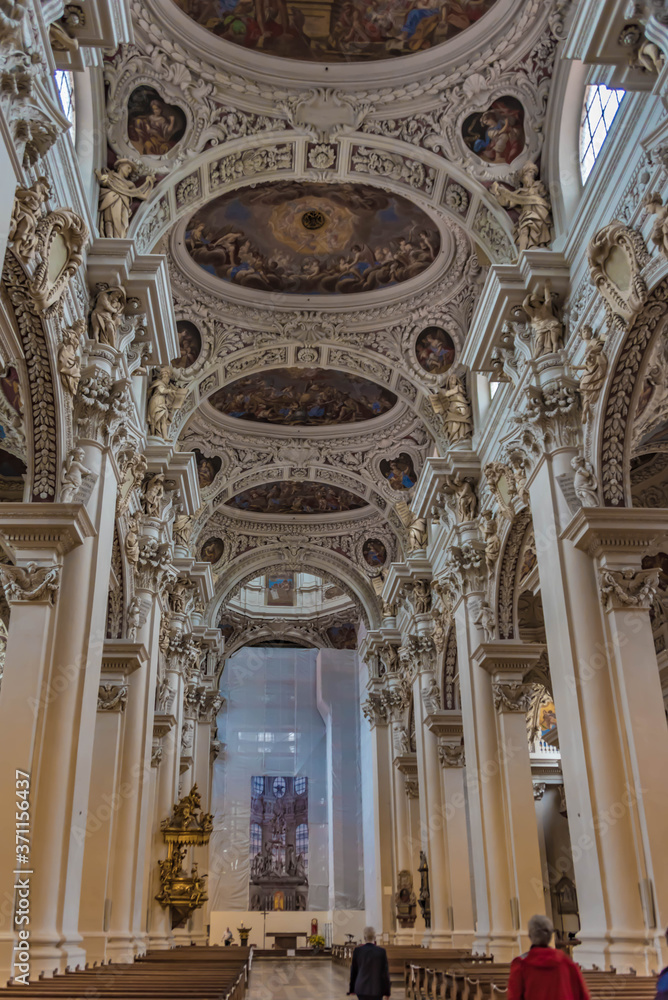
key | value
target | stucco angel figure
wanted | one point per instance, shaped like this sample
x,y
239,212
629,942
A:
x,y
402,742
534,226
132,542
164,399
153,495
489,528
417,527
584,482
25,216
181,529
451,404
69,361
431,696
107,314
74,473
546,327
117,192
593,370
135,618
486,620
654,205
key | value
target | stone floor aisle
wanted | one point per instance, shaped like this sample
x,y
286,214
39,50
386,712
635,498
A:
x,y
300,979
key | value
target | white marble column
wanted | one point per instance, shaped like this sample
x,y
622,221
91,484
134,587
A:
x,y
618,540
40,538
420,653
120,659
448,726
378,881
496,931
597,782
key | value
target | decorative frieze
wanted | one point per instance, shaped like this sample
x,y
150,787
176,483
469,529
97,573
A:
x,y
451,756
412,788
512,696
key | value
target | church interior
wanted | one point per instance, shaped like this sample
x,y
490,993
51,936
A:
x,y
333,512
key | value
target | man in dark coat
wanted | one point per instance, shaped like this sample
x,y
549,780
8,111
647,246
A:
x,y
369,972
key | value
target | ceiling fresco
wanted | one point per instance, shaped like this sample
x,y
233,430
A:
x,y
497,134
303,397
340,31
312,239
190,344
154,127
290,497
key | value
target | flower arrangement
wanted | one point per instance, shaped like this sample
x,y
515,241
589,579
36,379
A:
x,y
316,941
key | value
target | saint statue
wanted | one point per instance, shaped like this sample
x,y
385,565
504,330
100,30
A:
x,y
107,314
546,327
69,362
452,405
593,370
164,399
534,226
117,192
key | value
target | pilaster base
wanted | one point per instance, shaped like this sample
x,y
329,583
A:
x,y
404,936
46,960
95,946
624,951
504,947
121,948
160,942
441,939
199,938
463,939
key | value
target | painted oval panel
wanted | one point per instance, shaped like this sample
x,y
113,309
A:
x,y
343,636
154,127
291,497
212,550
399,471
497,134
312,239
435,350
190,344
330,31
304,397
374,552
207,468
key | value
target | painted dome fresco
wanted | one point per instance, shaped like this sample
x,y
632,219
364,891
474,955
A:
x,y
312,239
303,397
292,497
338,31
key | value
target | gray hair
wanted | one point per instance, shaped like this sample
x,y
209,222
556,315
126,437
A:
x,y
540,930
369,934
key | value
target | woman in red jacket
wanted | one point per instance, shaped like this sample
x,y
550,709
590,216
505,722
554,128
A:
x,y
545,973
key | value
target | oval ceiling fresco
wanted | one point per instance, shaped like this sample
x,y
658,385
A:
x,y
336,30
306,397
291,497
312,239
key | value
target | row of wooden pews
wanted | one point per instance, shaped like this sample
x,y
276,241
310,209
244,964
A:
x,y
186,973
476,981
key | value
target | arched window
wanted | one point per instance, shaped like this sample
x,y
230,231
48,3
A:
x,y
301,839
65,87
255,839
257,786
279,787
598,112
300,786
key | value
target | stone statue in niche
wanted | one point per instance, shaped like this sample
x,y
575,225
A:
x,y
405,899
164,400
417,527
74,473
132,542
69,361
489,528
654,205
462,489
153,495
452,405
118,189
107,314
26,213
584,482
534,226
593,370
546,327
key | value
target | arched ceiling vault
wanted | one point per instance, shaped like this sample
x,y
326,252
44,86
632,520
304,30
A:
x,y
363,295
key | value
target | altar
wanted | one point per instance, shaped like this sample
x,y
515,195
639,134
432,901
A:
x,y
287,940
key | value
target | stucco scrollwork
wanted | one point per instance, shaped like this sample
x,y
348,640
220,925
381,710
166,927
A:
x,y
617,254
30,583
628,588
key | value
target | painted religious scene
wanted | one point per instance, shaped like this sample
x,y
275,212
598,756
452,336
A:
x,y
154,127
312,239
212,550
291,497
343,636
279,591
190,344
435,350
497,134
374,553
207,468
339,31
304,397
399,471
278,843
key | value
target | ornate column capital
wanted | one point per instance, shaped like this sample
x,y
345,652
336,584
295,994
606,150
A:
x,y
628,588
412,788
31,583
552,418
154,564
112,697
102,406
375,709
451,756
417,655
466,571
512,696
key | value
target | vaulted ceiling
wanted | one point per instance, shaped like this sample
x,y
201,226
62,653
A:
x,y
323,195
